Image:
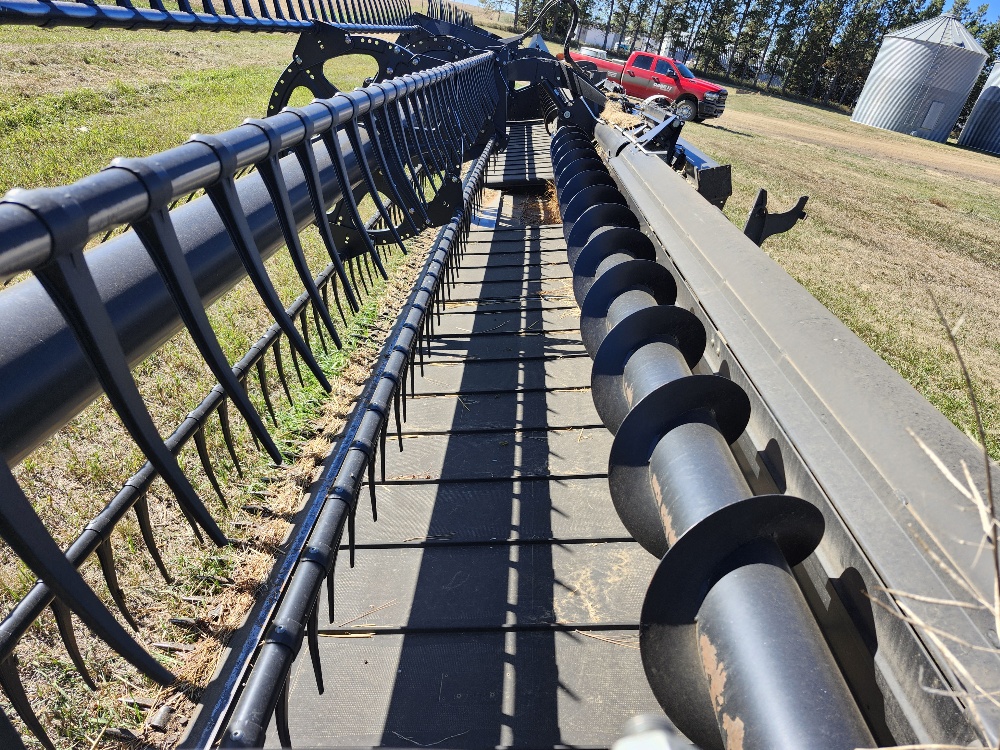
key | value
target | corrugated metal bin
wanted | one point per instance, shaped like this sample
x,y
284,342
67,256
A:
x,y
982,130
921,79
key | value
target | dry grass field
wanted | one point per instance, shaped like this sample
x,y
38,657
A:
x,y
891,220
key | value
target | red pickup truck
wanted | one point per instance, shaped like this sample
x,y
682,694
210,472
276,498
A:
x,y
645,74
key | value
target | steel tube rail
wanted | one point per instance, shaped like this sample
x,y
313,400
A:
x,y
93,16
46,377
27,610
49,231
338,494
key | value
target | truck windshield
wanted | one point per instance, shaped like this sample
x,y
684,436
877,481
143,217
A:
x,y
682,69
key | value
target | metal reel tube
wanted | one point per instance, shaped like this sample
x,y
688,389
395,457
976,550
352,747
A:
x,y
569,171
666,324
573,141
595,218
727,639
620,273
578,176
629,286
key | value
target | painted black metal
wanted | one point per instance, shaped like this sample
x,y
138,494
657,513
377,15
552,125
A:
x,y
138,301
159,237
196,252
659,133
762,223
383,16
584,200
67,279
597,217
726,669
603,245
606,300
342,483
706,642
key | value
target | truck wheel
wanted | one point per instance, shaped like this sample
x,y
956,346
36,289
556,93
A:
x,y
686,109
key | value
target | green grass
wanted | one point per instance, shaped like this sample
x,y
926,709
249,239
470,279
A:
x,y
178,84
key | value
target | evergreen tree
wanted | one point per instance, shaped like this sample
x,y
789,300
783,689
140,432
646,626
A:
x,y
622,19
717,35
780,53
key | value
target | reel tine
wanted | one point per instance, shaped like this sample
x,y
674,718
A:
x,y
141,509
13,688
206,463
226,201
371,484
227,435
64,622
261,368
21,528
280,367
274,181
354,137
106,557
9,737
70,285
312,638
393,171
281,716
331,140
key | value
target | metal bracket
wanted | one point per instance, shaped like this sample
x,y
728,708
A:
x,y
324,42
762,223
662,137
351,243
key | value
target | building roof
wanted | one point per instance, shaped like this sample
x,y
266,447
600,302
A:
x,y
945,29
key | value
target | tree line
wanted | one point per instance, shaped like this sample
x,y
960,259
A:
x,y
821,50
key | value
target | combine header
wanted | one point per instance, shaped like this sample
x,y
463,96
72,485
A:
x,y
620,462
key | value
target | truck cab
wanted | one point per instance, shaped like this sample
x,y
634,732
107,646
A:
x,y
646,74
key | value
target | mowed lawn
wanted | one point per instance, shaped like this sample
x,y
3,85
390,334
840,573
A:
x,y
891,220
73,99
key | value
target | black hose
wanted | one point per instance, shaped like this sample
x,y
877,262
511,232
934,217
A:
x,y
575,9
569,35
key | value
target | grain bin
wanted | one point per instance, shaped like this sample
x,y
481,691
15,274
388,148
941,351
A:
x,y
982,130
921,78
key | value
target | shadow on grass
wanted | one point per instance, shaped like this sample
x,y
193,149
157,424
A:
x,y
728,130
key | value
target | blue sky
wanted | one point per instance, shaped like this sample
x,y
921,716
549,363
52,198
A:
x,y
993,13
